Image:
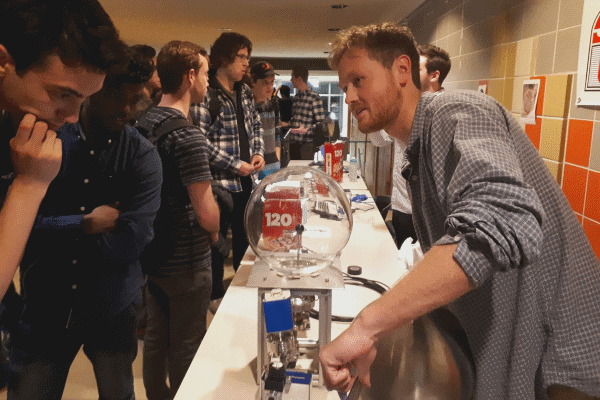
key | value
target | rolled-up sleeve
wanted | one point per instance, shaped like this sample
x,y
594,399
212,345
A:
x,y
492,214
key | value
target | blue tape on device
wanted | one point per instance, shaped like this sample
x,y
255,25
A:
x,y
278,315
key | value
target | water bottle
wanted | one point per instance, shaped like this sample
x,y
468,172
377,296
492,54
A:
x,y
353,170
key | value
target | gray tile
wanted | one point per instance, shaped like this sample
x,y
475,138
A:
x,y
515,22
570,14
595,149
541,16
455,20
544,61
454,44
454,74
469,85
576,112
479,10
478,37
448,86
423,32
476,66
567,50
443,43
532,18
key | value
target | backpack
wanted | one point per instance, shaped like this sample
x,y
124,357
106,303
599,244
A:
x,y
158,252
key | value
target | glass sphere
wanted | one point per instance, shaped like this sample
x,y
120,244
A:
x,y
298,220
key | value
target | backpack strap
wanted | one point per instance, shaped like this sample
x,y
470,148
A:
x,y
167,127
214,106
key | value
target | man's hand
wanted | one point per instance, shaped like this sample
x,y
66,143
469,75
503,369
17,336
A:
x,y
36,153
353,348
301,130
257,162
246,169
214,238
102,219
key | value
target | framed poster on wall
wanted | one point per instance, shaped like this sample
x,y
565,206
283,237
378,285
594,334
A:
x,y
588,74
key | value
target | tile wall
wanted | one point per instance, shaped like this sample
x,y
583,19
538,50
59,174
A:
x,y
504,42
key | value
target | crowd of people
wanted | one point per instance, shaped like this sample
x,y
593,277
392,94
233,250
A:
x,y
124,169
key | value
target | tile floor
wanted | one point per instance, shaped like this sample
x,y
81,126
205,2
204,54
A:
x,y
81,384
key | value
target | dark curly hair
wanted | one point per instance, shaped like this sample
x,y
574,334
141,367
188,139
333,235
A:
x,y
226,47
135,68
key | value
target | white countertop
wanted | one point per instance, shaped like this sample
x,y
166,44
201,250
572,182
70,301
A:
x,y
225,365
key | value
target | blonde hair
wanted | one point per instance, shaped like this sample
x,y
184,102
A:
x,y
383,42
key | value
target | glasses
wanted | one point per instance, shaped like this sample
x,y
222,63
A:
x,y
242,57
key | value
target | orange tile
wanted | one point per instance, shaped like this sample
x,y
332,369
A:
x,y
592,230
579,142
539,109
580,218
574,181
535,132
592,198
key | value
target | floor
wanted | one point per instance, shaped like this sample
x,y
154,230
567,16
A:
x,y
81,384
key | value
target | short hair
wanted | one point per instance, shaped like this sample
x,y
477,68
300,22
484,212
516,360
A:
x,y
285,91
300,71
79,32
174,60
437,60
136,68
226,47
383,42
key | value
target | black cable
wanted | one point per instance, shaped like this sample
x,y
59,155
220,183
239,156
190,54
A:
x,y
376,286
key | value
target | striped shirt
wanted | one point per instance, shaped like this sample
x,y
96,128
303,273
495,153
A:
x,y
223,131
475,179
307,111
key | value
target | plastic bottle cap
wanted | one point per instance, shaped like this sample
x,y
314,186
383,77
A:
x,y
354,270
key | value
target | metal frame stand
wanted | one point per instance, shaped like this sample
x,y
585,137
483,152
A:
x,y
319,286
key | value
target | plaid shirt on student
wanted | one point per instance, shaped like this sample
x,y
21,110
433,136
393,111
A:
x,y
307,111
223,131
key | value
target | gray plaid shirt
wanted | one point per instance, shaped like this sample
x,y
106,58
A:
x,y
307,111
475,179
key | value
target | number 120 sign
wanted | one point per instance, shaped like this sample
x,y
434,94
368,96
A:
x,y
281,216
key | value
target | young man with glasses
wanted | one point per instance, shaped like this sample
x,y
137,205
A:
x,y
229,119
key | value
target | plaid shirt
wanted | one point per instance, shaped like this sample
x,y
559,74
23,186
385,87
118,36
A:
x,y
223,132
307,111
533,318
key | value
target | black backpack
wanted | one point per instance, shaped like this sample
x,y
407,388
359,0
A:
x,y
157,253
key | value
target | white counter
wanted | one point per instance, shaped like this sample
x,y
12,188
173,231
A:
x,y
225,365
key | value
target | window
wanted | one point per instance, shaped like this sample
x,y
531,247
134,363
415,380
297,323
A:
x,y
333,98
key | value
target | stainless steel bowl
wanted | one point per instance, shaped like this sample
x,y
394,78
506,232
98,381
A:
x,y
418,362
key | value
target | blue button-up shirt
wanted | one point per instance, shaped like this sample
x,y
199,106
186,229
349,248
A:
x,y
63,268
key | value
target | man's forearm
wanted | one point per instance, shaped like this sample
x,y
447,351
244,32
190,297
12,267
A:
x,y
16,219
437,280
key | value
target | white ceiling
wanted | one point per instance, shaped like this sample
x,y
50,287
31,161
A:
x,y
277,28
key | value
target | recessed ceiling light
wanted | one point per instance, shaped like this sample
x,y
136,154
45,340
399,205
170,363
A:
x,y
329,44
333,29
339,6
224,29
